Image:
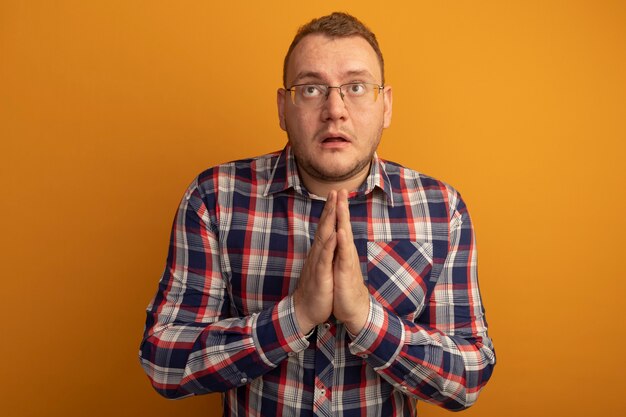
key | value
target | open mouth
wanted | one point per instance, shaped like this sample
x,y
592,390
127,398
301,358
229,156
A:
x,y
334,139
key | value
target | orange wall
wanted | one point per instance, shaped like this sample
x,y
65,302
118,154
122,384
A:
x,y
109,108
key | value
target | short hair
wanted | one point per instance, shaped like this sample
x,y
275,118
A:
x,y
336,25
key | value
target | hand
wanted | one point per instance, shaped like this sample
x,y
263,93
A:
x,y
351,297
313,297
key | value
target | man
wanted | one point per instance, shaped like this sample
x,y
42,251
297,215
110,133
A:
x,y
321,280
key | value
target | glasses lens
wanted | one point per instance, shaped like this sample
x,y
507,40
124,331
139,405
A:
x,y
308,95
360,93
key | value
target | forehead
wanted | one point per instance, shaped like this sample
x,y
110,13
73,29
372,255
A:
x,y
332,59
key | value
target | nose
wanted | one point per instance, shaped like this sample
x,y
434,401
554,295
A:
x,y
334,107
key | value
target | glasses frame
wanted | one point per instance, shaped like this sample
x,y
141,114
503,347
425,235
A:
x,y
292,91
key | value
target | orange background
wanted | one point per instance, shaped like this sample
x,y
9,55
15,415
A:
x,y
108,109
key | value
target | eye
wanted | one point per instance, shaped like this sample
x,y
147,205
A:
x,y
311,91
356,89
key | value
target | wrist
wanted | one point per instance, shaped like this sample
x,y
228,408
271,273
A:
x,y
305,325
355,325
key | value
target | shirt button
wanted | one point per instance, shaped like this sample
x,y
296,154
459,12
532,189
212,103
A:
x,y
327,326
364,355
291,354
244,380
405,388
322,391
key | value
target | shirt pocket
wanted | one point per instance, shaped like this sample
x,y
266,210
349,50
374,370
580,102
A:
x,y
397,275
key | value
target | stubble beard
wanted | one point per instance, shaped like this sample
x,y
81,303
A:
x,y
319,172
326,175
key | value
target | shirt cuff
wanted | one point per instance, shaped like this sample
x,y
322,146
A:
x,y
276,333
381,339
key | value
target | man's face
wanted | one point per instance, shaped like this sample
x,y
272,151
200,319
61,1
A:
x,y
334,143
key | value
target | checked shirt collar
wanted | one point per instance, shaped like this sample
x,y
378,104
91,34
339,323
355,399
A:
x,y
285,176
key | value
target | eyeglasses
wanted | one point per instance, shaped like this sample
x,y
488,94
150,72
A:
x,y
313,96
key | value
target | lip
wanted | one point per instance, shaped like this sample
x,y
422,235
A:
x,y
334,140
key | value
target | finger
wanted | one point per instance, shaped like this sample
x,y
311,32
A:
x,y
343,214
328,223
344,253
327,253
328,220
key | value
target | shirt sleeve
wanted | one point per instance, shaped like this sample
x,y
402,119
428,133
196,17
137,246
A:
x,y
445,356
192,342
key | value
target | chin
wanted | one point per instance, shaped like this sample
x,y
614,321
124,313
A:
x,y
335,173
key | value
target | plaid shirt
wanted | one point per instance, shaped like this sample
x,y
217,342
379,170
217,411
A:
x,y
223,318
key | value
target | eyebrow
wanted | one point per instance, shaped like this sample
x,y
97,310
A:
x,y
318,76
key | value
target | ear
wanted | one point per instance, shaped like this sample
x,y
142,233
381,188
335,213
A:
x,y
387,102
280,102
